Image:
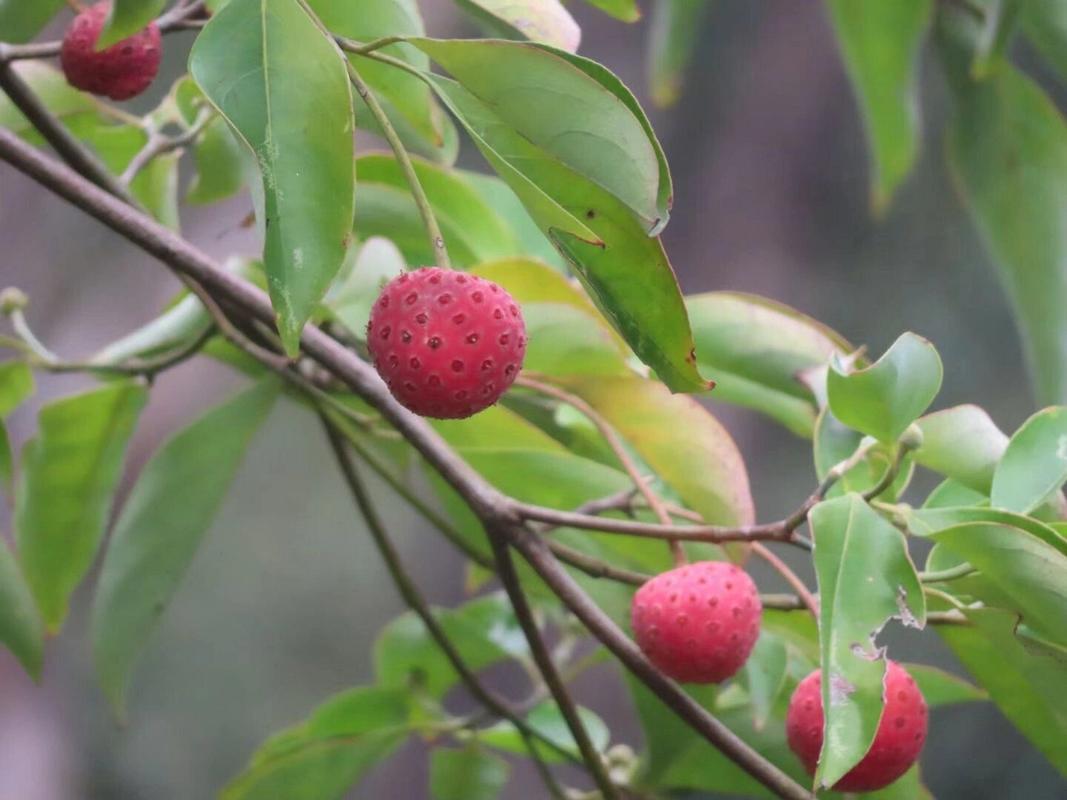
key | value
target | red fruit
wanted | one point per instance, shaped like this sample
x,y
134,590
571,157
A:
x,y
447,344
698,623
897,742
121,71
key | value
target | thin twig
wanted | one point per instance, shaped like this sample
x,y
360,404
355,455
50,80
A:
x,y
950,574
614,441
352,46
159,143
790,577
491,507
505,568
413,597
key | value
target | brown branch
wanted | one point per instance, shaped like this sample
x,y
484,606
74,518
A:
x,y
505,568
411,595
494,509
790,577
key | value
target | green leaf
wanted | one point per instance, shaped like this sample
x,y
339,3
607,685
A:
x,y
218,166
950,493
547,719
680,440
16,384
880,45
756,349
626,10
7,466
545,21
77,456
567,335
765,674
22,20
21,630
1020,567
833,443
471,227
484,631
1008,150
882,400
865,578
321,758
1034,466
467,774
156,536
673,35
1027,688
270,71
940,688
128,17
1045,24
407,101
377,262
572,109
927,521
962,443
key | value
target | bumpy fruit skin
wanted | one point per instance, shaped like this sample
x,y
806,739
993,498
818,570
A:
x,y
121,71
897,742
447,344
698,623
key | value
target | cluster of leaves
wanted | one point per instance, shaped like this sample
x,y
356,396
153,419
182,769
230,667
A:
x,y
581,190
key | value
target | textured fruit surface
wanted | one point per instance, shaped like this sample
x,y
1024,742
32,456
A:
x,y
447,344
897,742
121,71
698,623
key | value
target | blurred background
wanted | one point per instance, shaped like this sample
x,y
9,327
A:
x,y
286,595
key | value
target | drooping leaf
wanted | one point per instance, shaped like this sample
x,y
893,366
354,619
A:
x,y
625,272
756,349
1029,572
127,17
673,34
962,443
680,440
282,85
469,773
22,20
1034,465
880,45
1026,687
572,109
321,758
1008,150
545,21
21,630
927,521
156,536
882,400
218,166
547,720
69,473
1045,24
471,227
484,631
865,578
940,688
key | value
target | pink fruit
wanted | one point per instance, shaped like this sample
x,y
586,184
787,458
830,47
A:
x,y
121,71
447,344
698,623
897,742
